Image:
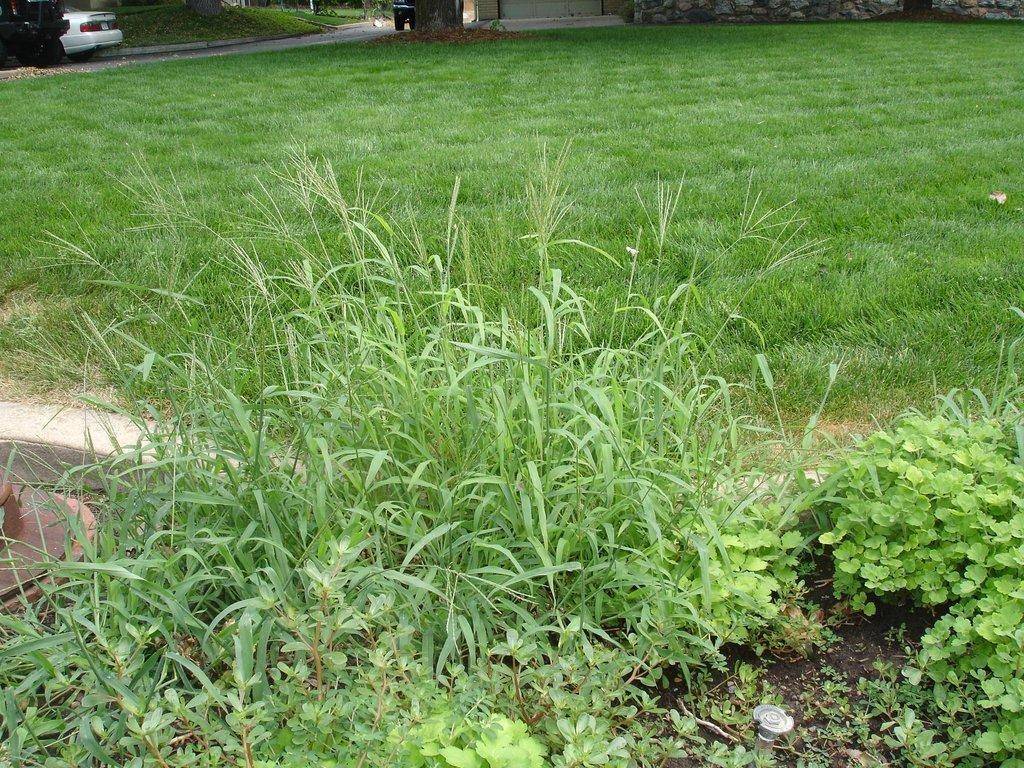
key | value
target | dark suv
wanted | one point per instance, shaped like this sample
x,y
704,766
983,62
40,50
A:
x,y
405,13
31,30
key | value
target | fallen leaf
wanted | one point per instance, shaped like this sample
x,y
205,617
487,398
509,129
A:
x,y
999,196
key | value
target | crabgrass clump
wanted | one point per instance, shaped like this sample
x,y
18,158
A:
x,y
934,508
432,514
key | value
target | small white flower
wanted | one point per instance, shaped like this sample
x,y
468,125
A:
x,y
632,251
999,196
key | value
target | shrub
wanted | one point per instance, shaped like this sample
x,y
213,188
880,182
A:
x,y
934,508
433,528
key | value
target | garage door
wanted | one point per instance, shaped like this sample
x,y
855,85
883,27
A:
x,y
544,9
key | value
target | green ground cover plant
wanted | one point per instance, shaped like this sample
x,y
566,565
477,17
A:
x,y
171,23
887,139
933,509
333,15
439,535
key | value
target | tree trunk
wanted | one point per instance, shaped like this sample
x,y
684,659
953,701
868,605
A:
x,y
432,15
205,7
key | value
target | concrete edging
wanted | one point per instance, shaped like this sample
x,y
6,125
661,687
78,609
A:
x,y
38,443
201,45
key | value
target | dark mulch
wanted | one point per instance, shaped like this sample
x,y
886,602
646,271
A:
x,y
861,641
923,14
451,36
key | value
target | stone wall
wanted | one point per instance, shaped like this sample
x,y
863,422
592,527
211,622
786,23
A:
x,y
983,9
697,11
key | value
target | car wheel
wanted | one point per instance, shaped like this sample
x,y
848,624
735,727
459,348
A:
x,y
3,53
25,56
412,23
399,23
82,55
49,53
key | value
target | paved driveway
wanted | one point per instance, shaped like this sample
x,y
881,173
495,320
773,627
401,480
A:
x,y
351,33
348,34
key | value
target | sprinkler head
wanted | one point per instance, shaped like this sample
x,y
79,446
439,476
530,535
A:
x,y
772,722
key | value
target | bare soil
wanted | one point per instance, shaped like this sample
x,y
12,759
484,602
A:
x,y
860,642
820,690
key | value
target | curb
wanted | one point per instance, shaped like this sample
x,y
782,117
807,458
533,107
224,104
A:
x,y
39,443
202,45
329,27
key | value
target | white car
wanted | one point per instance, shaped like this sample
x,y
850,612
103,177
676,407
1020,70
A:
x,y
90,31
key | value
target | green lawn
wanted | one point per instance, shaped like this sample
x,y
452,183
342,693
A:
x,y
335,16
886,138
167,23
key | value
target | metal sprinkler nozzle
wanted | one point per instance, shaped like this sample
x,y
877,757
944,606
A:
x,y
772,722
